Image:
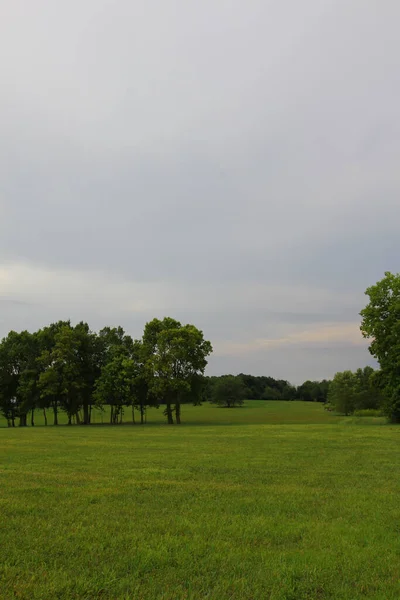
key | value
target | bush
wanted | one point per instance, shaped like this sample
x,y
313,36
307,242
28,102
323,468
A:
x,y
229,391
368,412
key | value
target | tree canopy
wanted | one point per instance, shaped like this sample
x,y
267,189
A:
x,y
381,324
71,368
229,391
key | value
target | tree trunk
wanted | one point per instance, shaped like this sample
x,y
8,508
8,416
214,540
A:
x,y
13,417
121,415
33,417
112,415
90,414
45,416
78,418
178,413
22,421
8,422
133,414
69,419
86,417
141,413
168,411
55,411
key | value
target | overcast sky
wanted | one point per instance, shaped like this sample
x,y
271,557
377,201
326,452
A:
x,y
231,164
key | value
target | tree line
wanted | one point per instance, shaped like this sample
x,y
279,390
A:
x,y
347,393
72,369
262,387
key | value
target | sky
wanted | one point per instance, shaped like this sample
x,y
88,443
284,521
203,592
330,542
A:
x,y
231,164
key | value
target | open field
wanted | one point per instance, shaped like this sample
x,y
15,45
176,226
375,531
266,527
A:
x,y
272,501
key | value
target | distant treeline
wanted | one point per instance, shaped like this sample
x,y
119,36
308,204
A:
x,y
347,393
268,388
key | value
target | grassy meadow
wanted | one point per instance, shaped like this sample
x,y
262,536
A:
x,y
275,500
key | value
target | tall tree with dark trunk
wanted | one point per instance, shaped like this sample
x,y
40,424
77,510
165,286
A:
x,y
90,351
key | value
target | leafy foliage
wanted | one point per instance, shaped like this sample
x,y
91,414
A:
x,y
71,368
229,391
359,391
381,324
175,357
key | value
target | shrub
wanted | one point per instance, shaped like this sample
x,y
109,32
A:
x,y
368,412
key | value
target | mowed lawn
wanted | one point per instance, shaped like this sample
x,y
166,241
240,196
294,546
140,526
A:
x,y
276,500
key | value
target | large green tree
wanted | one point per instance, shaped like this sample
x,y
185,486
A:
x,y
381,324
18,376
175,356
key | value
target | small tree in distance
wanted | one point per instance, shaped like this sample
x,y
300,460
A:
x,y
342,393
229,391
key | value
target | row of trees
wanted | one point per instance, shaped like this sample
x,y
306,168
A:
x,y
71,368
346,393
268,388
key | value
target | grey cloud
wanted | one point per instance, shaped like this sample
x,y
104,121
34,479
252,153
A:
x,y
211,147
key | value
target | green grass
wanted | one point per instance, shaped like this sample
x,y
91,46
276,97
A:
x,y
254,412
281,501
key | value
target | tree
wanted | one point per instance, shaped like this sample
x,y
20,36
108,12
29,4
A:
x,y
18,375
229,391
313,391
90,354
369,396
48,382
142,394
343,391
61,378
175,355
9,375
271,393
114,385
381,324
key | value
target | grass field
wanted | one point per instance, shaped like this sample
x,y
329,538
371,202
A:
x,y
271,501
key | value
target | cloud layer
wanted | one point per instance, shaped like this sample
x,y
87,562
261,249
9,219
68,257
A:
x,y
231,164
